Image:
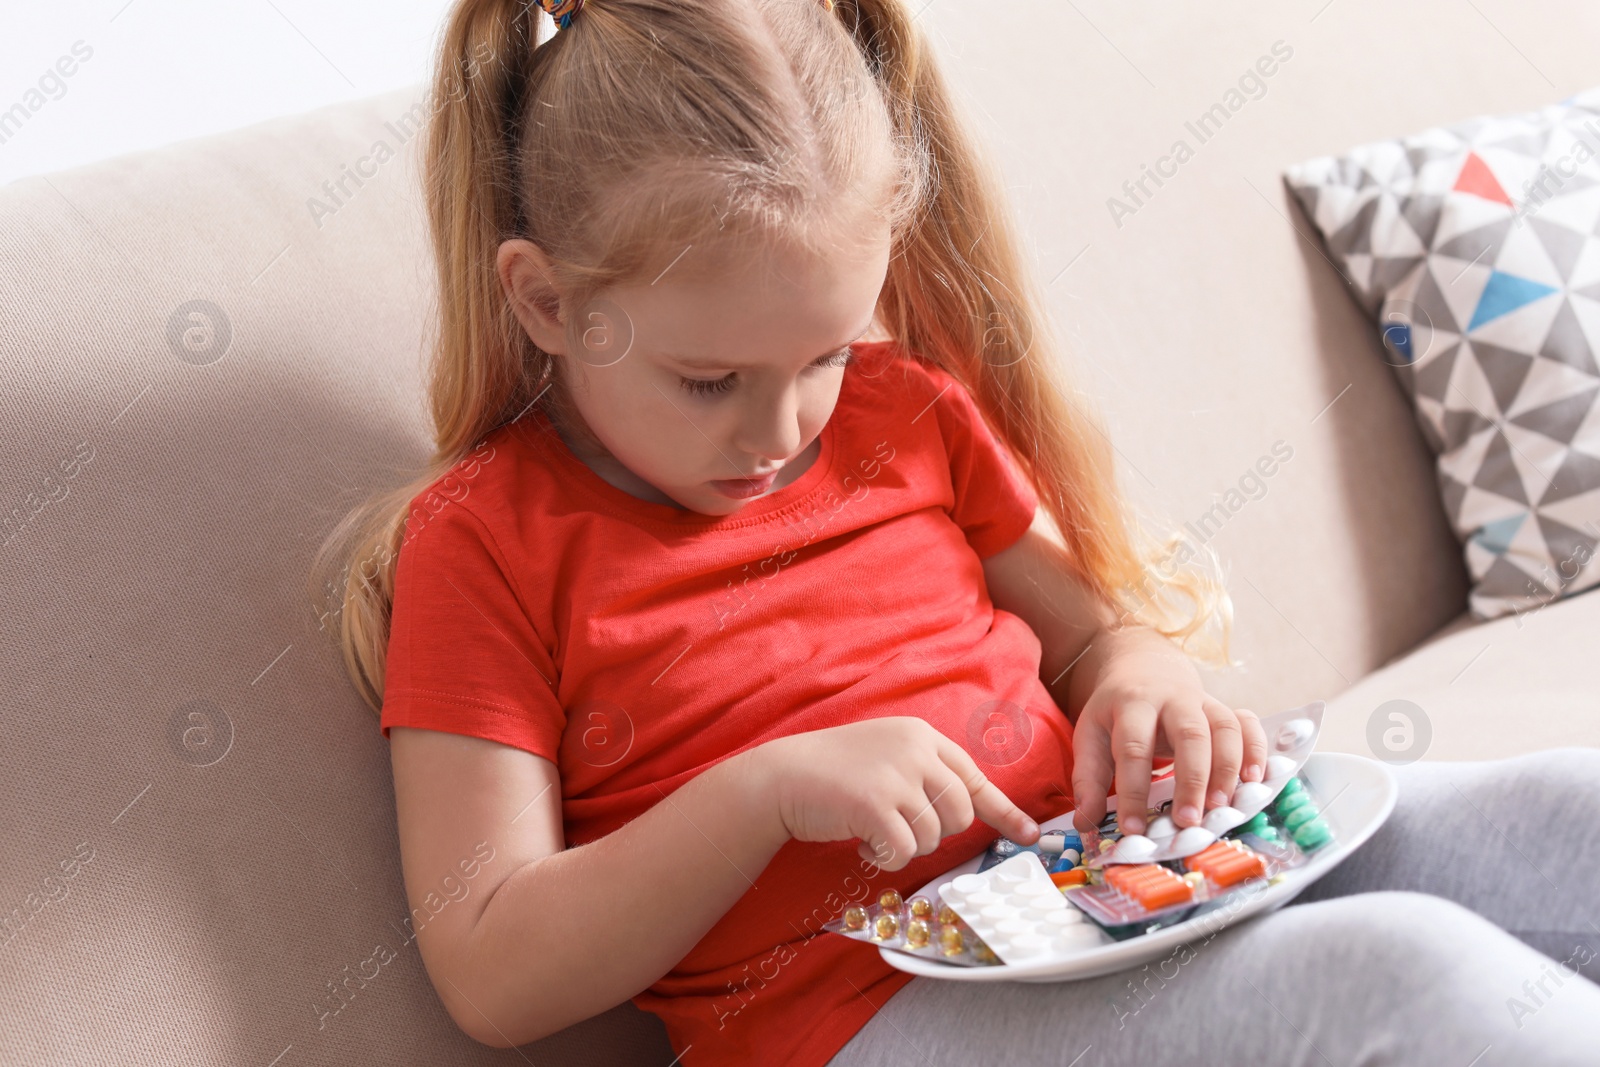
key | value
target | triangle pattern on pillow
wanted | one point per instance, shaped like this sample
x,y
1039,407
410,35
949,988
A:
x,y
1476,247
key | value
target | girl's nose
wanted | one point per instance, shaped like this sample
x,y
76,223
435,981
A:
x,y
771,429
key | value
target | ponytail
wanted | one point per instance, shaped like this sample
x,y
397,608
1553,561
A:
x,y
478,367
958,296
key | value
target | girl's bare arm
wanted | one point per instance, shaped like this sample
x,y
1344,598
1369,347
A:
x,y
1131,694
546,936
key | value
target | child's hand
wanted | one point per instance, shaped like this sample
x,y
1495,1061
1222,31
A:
x,y
896,783
1148,703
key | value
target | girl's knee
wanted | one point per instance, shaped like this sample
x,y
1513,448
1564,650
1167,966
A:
x,y
1395,933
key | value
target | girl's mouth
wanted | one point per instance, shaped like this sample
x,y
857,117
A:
x,y
744,488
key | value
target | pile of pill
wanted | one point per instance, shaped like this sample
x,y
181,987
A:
x,y
1070,893
1131,898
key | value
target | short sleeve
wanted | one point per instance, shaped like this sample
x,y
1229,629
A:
x,y
463,656
994,501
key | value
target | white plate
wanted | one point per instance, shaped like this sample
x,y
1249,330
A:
x,y
1355,794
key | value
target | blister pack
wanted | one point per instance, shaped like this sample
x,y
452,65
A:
x,y
921,926
1128,899
1031,902
1019,912
1291,735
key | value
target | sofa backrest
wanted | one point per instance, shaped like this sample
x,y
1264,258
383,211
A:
x,y
210,352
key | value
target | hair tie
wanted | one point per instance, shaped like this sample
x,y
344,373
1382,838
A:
x,y
561,10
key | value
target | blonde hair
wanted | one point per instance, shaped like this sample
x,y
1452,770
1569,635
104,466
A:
x,y
648,123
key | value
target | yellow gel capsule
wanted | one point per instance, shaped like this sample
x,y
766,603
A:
x,y
889,900
917,933
984,953
950,942
947,915
855,918
885,928
921,908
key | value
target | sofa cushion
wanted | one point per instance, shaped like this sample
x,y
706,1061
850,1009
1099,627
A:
x,y
1477,246
1479,690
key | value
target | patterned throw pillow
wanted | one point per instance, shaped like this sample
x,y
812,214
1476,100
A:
x,y
1477,248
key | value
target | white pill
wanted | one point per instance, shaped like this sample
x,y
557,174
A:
x,y
1279,768
1010,928
1075,938
997,913
1161,827
1293,734
982,899
1191,839
1008,876
1025,945
1071,856
1042,906
1032,889
1136,848
968,883
1052,844
1220,820
1036,913
1251,797
1063,917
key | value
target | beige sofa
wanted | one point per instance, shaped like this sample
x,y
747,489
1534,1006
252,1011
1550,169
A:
x,y
197,828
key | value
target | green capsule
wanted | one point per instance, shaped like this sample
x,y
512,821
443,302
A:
x,y
1300,816
1288,803
1312,835
1258,822
1291,787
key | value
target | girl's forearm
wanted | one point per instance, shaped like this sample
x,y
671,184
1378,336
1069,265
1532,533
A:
x,y
1103,649
571,935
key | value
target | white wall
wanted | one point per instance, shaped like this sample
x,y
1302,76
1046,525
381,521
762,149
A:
x,y
159,71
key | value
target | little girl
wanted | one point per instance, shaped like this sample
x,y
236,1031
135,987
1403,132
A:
x,y
765,563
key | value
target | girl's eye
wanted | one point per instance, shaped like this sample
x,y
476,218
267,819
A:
x,y
842,358
714,386
701,387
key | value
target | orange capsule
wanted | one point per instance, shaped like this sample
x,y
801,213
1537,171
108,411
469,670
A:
x,y
1149,885
1076,876
1227,863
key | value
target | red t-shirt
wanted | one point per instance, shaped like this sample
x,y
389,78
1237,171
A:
x,y
636,645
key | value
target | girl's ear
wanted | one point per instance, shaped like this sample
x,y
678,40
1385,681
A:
x,y
524,272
